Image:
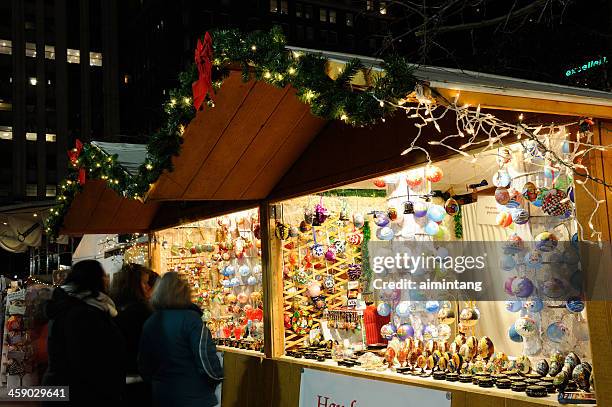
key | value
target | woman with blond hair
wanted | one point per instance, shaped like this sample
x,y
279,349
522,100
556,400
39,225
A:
x,y
177,354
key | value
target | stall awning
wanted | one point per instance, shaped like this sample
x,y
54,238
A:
x,y
241,148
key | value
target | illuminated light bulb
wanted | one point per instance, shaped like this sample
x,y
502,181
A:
x,y
344,117
291,71
187,100
381,103
267,75
521,117
149,166
253,47
279,76
172,102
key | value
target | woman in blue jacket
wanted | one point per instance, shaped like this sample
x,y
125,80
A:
x,y
177,354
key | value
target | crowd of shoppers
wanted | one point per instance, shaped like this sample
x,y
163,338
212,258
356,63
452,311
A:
x,y
139,342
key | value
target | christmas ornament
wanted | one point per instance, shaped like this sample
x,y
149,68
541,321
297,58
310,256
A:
x,y
520,216
420,209
451,206
358,220
502,179
502,196
383,309
503,219
433,173
556,332
431,228
436,213
379,183
526,326
414,179
530,191
546,242
556,203
387,331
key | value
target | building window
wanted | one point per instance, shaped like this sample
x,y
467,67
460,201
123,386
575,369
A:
x,y
308,12
323,15
298,10
31,136
6,133
31,190
369,5
50,138
332,16
273,6
32,81
383,7
50,190
284,7
349,19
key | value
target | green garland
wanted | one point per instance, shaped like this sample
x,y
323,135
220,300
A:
x,y
458,218
264,57
366,272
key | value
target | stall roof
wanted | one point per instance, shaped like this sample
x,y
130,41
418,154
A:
x,y
129,156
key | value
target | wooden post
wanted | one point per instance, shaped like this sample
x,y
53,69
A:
x,y
599,312
271,260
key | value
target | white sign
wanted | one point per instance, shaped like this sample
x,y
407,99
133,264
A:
x,y
486,210
324,389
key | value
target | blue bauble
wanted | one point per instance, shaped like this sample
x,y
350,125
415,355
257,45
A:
x,y
432,307
244,270
533,260
234,282
385,233
383,309
402,309
252,280
520,216
534,305
556,332
228,271
514,306
574,304
436,213
508,263
513,335
431,228
381,219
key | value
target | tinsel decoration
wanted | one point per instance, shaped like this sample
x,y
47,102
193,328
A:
x,y
366,273
458,218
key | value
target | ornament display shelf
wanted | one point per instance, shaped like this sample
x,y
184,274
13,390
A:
x,y
429,382
247,352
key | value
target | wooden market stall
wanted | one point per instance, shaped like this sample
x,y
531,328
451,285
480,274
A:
x,y
260,146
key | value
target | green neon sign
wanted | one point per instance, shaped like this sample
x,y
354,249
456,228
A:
x,y
585,67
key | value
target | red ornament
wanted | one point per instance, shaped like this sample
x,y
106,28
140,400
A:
x,y
74,155
434,174
414,180
380,183
203,59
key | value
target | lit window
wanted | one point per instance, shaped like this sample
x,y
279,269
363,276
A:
x,y
31,136
50,138
383,7
284,8
31,190
50,190
298,10
273,6
95,59
369,5
6,47
332,16
33,81
349,19
323,15
6,133
308,12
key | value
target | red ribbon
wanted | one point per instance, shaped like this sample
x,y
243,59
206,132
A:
x,y
73,155
203,59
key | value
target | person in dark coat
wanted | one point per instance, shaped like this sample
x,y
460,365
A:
x,y
86,349
176,353
131,290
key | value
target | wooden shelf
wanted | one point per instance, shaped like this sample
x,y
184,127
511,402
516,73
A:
x,y
246,352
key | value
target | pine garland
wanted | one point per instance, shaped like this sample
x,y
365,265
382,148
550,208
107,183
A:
x,y
264,57
366,275
458,218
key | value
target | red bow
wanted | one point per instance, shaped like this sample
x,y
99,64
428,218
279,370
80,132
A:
x,y
203,59
74,154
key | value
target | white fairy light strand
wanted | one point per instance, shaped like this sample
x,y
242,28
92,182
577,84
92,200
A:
x,y
472,125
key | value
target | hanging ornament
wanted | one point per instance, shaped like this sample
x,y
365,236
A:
x,y
553,288
451,206
358,220
513,305
281,231
405,331
402,309
526,326
534,305
522,287
530,191
574,304
520,216
387,331
502,196
502,179
330,254
546,242
556,332
446,315
469,316
308,216
550,171
381,219
436,213
320,214
354,271
433,173
392,214
383,309
504,219
514,335
414,179
555,203
408,208
431,228
355,238
420,209
385,233
514,244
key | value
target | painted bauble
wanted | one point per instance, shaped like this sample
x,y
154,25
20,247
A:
x,y
430,332
387,331
542,367
553,288
532,347
392,213
256,296
405,331
414,179
420,209
385,233
383,309
513,305
381,219
330,254
485,348
228,271
522,287
507,263
340,246
526,326
358,220
281,231
234,282
556,203
436,213
530,191
555,368
557,356
514,244
542,192
242,298
431,228
403,309
582,375
314,289
533,260
252,280
502,179
563,182
508,285
502,196
546,242
514,335
503,219
294,231
451,206
561,379
574,304
432,307
444,332
408,208
523,364
534,305
556,332
433,173
244,270
355,238
469,316
571,360
520,216
550,171
446,316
